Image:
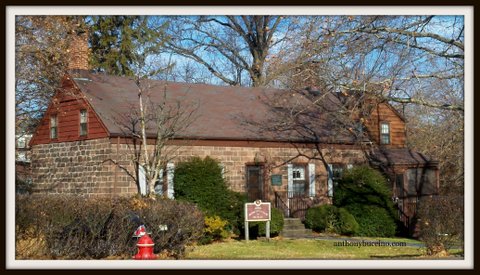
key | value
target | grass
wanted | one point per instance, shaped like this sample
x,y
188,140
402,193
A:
x,y
300,249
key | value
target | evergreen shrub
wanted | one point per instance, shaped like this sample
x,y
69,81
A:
x,y
364,192
200,181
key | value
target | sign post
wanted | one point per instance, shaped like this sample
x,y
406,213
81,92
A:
x,y
256,212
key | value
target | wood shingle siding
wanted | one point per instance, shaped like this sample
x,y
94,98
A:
x,y
383,112
66,104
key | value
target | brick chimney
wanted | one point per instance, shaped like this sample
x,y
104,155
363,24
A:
x,y
78,51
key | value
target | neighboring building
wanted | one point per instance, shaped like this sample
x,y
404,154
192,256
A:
x,y
81,145
22,148
23,177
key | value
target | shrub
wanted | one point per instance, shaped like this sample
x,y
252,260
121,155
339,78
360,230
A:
x,y
215,229
440,223
328,218
75,227
346,223
201,181
373,221
364,192
320,218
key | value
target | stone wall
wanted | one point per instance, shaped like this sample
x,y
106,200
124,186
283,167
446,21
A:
x,y
87,167
235,159
80,167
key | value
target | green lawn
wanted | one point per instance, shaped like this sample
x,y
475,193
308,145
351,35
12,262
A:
x,y
300,249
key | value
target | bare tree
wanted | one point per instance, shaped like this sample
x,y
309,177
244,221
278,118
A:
x,y
230,46
40,63
152,123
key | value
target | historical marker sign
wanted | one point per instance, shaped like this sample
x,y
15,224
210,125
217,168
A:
x,y
256,212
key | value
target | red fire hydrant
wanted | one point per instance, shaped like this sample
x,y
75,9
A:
x,y
145,248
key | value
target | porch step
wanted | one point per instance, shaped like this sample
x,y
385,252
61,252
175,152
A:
x,y
294,229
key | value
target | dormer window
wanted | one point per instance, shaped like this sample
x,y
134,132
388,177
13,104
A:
x,y
384,133
53,127
83,122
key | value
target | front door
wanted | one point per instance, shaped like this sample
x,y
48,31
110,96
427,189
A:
x,y
254,182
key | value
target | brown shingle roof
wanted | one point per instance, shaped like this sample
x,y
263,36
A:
x,y
223,112
403,156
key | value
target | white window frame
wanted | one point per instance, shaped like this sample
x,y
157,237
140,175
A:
x,y
53,125
300,170
83,122
385,132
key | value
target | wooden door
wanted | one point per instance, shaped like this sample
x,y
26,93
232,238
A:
x,y
254,183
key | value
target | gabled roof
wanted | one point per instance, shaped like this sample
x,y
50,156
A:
x,y
222,112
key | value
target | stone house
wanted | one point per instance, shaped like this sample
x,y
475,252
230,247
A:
x,y
81,147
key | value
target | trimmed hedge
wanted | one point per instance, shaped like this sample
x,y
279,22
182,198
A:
x,y
200,181
74,227
364,192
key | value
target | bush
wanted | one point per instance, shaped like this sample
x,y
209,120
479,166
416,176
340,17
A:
x,y
364,192
440,223
328,218
276,224
201,181
373,221
74,227
346,225
215,229
320,218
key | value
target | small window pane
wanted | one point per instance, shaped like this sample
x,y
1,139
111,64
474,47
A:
x,y
385,139
83,129
53,121
299,188
298,172
385,128
53,132
83,116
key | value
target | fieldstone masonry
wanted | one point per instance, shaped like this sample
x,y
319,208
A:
x,y
87,167
73,167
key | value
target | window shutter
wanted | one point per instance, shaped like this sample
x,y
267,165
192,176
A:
x,y
170,173
142,180
290,179
223,169
311,174
330,180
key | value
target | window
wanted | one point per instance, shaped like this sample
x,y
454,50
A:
x,y
83,122
299,183
399,185
334,174
53,127
384,133
337,172
21,142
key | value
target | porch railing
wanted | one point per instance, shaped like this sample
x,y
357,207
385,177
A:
x,y
293,205
281,205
